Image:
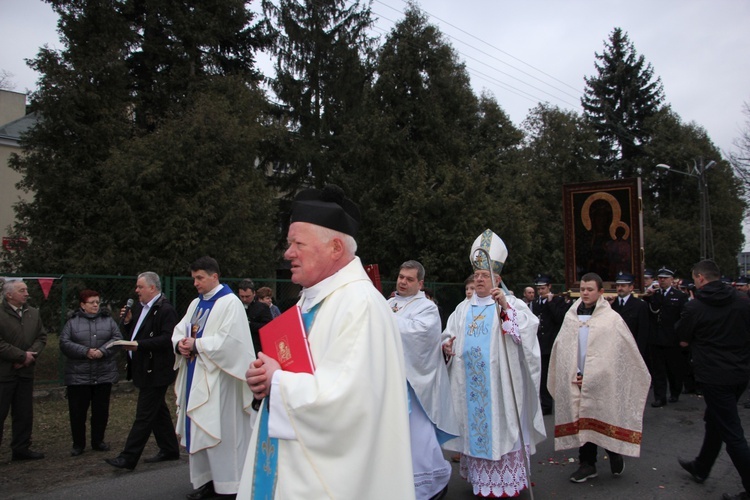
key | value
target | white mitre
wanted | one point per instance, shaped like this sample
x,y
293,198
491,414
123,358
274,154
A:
x,y
494,246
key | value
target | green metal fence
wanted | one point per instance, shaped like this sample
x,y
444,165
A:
x,y
61,300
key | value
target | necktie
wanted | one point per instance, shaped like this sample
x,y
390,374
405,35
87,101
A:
x,y
622,302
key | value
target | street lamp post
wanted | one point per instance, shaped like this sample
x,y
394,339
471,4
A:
x,y
699,172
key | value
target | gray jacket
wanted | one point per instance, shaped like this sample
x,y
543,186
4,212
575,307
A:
x,y
83,332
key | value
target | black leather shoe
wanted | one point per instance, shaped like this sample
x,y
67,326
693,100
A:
x,y
659,403
27,455
100,447
674,399
120,463
205,491
690,467
161,457
76,451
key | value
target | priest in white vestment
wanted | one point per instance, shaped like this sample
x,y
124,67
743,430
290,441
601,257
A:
x,y
599,382
343,431
494,368
214,415
431,417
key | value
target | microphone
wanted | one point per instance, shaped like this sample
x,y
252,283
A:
x,y
128,306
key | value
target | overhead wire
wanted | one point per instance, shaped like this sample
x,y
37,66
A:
x,y
496,81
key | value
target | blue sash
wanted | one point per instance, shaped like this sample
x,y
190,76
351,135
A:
x,y
200,315
267,448
477,362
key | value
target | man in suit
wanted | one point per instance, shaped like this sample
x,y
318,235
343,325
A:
x,y
551,311
667,362
151,367
258,313
634,311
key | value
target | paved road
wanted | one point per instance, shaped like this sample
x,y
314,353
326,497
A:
x,y
669,432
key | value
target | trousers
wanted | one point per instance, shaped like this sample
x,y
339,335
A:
x,y
16,397
723,425
80,397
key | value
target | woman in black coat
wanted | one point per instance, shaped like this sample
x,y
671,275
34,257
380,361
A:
x,y
90,369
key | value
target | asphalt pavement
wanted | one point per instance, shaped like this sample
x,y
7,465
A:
x,y
669,432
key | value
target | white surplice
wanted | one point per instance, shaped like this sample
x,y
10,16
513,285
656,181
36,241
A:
x,y
219,403
504,456
344,429
419,323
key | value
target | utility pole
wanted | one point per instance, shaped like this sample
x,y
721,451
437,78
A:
x,y
699,172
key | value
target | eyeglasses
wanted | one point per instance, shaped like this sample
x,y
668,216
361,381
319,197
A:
x,y
93,302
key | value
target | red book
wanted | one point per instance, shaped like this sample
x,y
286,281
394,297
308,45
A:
x,y
284,339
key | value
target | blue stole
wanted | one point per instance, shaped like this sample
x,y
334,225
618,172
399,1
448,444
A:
x,y
267,448
200,315
477,357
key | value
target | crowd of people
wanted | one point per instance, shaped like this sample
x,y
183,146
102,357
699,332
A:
x,y
393,384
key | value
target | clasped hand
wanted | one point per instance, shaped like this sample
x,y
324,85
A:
x,y
260,374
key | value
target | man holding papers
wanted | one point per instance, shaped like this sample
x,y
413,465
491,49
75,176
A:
x,y
343,431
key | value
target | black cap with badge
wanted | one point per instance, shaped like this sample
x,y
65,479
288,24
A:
x,y
624,279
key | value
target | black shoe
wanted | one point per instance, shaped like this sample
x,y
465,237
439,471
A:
x,y
659,403
674,399
76,451
205,491
690,467
120,463
27,455
100,447
161,457
616,464
584,472
738,496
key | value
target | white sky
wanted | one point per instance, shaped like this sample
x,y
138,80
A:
x,y
699,48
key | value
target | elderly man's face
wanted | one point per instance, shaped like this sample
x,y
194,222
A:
x,y
310,257
19,294
483,283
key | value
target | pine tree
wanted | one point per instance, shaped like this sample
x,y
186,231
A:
x,y
424,193
128,70
560,149
618,101
323,71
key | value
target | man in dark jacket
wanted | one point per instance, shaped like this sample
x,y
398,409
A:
x,y
22,338
667,362
258,313
551,311
717,325
634,311
151,367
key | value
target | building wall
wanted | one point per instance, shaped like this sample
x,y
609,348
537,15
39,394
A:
x,y
12,107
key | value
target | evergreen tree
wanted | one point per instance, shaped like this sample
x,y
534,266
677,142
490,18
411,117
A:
x,y
423,191
740,157
127,69
323,71
560,149
672,203
618,102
